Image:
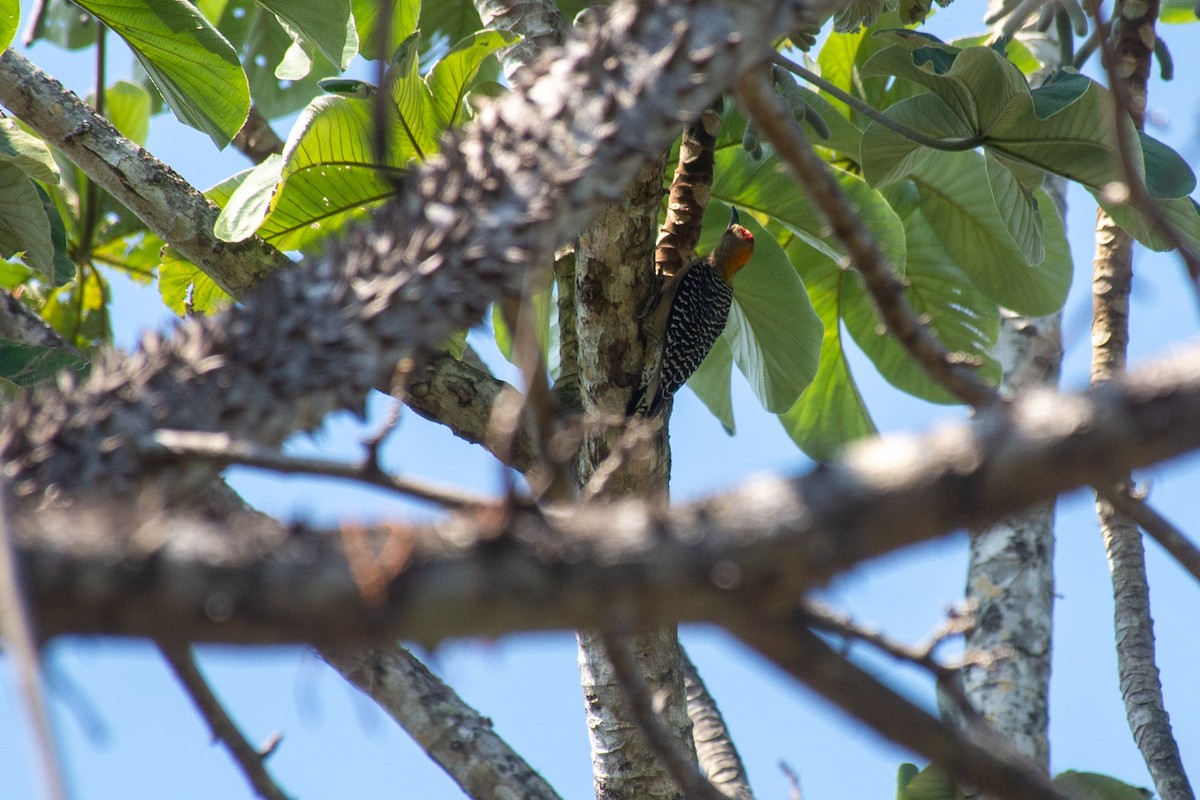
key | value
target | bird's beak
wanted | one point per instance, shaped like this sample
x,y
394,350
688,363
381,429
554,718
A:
x,y
733,216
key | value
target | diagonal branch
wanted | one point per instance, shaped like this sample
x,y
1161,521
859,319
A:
x,y
248,758
456,736
984,762
501,570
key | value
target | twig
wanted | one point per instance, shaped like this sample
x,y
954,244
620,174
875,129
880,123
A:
x,y
16,628
257,139
1131,504
983,761
949,145
820,616
674,756
224,730
224,449
758,98
793,780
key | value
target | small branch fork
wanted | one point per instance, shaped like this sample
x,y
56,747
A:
x,y
224,730
817,615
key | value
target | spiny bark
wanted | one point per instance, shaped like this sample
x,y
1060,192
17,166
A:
x,y
540,163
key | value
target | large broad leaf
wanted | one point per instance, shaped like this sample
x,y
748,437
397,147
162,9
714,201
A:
x,y
888,156
26,364
27,152
263,45
956,199
1178,12
418,124
127,106
773,333
766,188
451,76
192,64
711,383
184,288
326,26
1018,207
24,227
831,412
330,174
404,15
964,319
453,20
1181,214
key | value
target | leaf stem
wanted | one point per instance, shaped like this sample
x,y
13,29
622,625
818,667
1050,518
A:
x,y
949,145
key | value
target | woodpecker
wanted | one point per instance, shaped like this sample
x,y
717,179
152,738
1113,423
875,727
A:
x,y
687,317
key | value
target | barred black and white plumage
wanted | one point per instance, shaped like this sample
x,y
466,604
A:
x,y
688,317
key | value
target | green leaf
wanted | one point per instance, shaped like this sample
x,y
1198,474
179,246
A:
x,y
963,318
27,152
80,312
330,175
1178,12
327,26
929,784
1168,175
263,45
250,203
24,227
765,187
64,267
1094,786
10,16
843,137
418,126
831,412
1181,214
127,106
184,287
404,16
1018,209
1058,92
773,333
956,199
26,364
836,61
66,25
904,773
888,156
712,383
451,76
192,64
453,20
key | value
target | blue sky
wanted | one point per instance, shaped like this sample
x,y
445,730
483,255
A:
x,y
127,731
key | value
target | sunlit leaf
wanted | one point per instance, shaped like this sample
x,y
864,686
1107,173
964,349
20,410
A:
x,y
24,227
451,76
27,364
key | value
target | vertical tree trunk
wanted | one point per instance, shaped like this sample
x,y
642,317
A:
x,y
613,278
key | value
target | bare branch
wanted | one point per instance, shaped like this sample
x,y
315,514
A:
x,y
983,761
1134,507
257,140
157,194
493,573
456,736
224,450
1128,67
224,730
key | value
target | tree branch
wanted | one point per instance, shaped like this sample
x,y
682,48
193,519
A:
x,y
986,763
456,736
248,758
495,571
169,206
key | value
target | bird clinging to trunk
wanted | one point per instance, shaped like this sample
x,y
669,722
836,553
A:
x,y
688,316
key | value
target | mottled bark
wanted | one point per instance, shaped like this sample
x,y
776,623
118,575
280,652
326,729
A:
x,y
715,750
